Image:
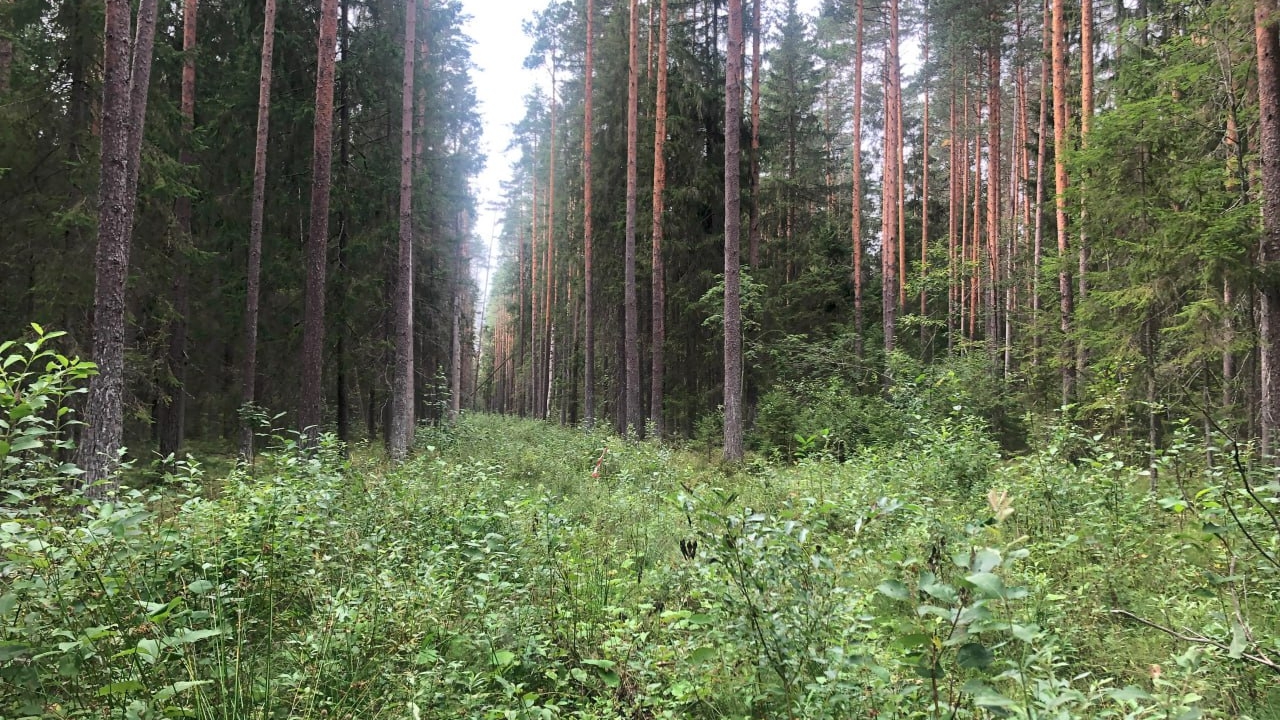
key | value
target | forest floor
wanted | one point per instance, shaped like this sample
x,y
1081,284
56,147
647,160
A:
x,y
513,569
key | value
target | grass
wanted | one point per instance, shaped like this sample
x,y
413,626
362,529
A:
x,y
513,569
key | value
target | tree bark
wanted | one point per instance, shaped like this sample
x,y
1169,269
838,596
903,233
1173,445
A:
x,y
890,185
859,313
250,369
753,227
173,414
311,408
588,230
1267,38
993,199
659,292
1086,115
400,434
1037,250
1060,120
631,326
124,113
733,450
924,197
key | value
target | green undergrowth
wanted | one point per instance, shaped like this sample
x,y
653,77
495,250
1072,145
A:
x,y
512,569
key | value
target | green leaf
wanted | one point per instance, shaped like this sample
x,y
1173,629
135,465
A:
x,y
186,637
8,602
989,584
120,688
1130,693
974,656
503,658
1239,640
894,590
199,587
703,654
149,649
23,443
169,691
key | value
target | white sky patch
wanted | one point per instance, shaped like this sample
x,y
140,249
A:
x,y
501,82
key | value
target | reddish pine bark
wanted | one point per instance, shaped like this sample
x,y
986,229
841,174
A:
x,y
890,184
1060,119
633,421
659,292
310,411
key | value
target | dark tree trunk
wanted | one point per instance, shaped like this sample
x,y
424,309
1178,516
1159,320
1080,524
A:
x,y
753,227
311,404
733,450
124,113
250,370
173,414
588,320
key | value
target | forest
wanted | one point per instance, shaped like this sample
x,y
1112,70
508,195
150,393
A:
x,y
833,359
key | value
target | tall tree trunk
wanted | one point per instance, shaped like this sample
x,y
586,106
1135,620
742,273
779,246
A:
x,y
400,434
1042,133
733,450
953,203
631,306
659,300
456,369
1086,115
250,370
173,414
924,197
549,264
311,406
1268,42
891,188
1060,120
588,288
124,113
859,314
342,399
753,226
993,199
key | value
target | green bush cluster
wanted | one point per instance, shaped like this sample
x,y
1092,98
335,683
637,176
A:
x,y
516,570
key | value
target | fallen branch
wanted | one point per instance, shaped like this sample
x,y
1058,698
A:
x,y
1198,640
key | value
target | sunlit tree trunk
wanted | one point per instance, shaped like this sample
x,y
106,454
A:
x,y
733,449
400,433
659,291
250,368
125,82
311,409
548,264
1086,115
993,200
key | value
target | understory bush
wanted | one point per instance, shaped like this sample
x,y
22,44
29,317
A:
x,y
515,570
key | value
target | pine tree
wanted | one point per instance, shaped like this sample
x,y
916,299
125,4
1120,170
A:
x,y
659,188
250,368
1267,38
733,421
633,422
311,402
125,84
400,432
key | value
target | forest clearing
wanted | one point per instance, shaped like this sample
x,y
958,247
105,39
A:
x,y
640,359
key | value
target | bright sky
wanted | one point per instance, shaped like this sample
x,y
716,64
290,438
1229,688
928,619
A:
x,y
501,83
